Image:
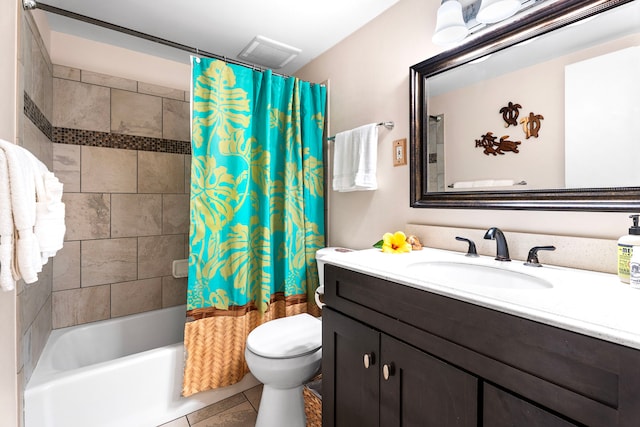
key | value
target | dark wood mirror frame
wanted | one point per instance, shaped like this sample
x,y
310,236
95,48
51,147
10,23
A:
x,y
557,14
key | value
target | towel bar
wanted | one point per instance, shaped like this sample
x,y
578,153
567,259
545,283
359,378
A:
x,y
389,125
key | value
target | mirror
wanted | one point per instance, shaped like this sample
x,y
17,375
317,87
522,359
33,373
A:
x,y
534,113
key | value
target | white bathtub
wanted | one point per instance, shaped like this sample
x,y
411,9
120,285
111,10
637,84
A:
x,y
119,372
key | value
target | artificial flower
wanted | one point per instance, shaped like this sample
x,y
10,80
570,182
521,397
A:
x,y
395,243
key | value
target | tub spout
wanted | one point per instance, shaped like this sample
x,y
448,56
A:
x,y
502,253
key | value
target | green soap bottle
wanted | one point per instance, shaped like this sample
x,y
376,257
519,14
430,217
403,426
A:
x,y
625,249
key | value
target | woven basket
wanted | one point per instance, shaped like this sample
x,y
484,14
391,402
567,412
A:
x,y
313,401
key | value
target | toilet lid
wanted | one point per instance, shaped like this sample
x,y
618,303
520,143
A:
x,y
286,337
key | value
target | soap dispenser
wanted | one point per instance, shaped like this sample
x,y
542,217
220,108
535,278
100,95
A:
x,y
625,249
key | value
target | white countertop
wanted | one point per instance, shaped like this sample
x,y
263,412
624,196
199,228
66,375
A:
x,y
587,302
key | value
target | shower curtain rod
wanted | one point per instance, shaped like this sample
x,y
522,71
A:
x,y
389,125
32,4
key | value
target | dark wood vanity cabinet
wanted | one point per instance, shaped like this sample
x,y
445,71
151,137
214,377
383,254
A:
x,y
502,409
394,355
380,381
354,377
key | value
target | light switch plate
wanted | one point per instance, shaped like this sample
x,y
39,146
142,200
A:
x,y
400,152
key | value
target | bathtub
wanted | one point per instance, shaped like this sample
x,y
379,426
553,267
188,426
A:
x,y
119,372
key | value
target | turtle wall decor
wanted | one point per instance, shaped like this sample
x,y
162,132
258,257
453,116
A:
x,y
492,146
530,125
510,114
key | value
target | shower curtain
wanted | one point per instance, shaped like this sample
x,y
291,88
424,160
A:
x,y
257,211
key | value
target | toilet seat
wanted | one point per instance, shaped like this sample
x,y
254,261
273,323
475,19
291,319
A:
x,y
287,337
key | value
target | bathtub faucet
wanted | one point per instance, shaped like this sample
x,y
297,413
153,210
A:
x,y
494,233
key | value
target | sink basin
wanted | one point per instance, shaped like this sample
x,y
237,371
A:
x,y
461,275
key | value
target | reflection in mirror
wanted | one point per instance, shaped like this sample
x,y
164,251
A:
x,y
533,111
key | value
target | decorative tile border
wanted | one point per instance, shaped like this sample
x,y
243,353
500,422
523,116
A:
x,y
34,114
101,139
117,140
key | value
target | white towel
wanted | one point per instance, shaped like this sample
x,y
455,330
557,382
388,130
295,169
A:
x,y
7,281
484,183
36,209
463,184
23,204
355,159
50,211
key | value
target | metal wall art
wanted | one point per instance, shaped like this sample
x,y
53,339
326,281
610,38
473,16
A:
x,y
510,114
491,146
530,125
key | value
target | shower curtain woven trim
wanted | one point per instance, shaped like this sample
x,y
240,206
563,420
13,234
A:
x,y
215,346
237,311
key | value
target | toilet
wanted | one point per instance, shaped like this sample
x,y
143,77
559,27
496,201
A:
x,y
283,354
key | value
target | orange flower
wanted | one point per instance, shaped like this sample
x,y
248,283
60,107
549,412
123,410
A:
x,y
395,243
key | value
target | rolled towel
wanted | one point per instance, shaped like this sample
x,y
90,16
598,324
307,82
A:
x,y
484,183
463,184
503,182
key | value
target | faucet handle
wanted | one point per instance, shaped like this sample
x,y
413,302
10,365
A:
x,y
471,252
532,258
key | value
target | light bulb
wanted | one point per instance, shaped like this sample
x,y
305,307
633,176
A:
x,y
492,11
450,25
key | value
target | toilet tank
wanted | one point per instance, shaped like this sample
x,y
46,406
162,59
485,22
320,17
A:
x,y
321,254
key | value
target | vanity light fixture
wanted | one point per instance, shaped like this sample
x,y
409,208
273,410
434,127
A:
x,y
450,25
492,11
456,19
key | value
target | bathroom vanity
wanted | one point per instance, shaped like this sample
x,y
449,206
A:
x,y
400,349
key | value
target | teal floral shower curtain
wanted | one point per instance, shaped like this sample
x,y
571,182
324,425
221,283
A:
x,y
257,209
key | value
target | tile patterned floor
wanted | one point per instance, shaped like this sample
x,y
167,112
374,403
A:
x,y
239,410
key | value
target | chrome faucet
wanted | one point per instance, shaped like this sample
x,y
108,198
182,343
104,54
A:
x,y
494,233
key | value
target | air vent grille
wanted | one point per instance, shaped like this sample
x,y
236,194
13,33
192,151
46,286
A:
x,y
268,53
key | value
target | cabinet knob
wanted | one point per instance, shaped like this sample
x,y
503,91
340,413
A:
x,y
388,370
368,360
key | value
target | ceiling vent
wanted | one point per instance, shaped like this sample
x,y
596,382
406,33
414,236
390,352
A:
x,y
268,53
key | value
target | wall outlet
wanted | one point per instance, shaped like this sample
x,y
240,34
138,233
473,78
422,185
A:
x,y
400,152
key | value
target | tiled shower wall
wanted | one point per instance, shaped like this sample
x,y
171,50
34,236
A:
x,y
121,148
34,300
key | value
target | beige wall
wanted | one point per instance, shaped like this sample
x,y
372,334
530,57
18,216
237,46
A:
x,y
473,111
8,89
84,54
369,75
539,89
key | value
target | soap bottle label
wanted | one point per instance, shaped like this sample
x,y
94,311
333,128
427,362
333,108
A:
x,y
634,276
634,268
624,257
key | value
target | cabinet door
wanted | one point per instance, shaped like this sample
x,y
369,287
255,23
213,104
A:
x,y
350,372
502,409
417,389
